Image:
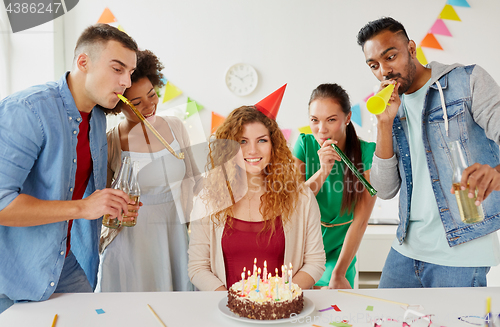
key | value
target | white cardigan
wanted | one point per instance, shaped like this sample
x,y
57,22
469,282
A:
x,y
303,246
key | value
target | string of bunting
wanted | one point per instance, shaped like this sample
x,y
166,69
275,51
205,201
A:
x,y
429,41
171,91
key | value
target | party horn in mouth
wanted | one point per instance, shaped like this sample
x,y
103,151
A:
x,y
349,164
377,103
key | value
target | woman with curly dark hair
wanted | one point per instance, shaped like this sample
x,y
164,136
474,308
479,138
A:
x,y
152,256
272,217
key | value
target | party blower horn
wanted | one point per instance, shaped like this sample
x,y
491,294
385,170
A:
x,y
377,103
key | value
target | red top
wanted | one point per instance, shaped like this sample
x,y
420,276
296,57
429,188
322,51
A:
x,y
83,167
243,243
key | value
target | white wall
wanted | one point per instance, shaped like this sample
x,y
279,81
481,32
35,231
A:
x,y
31,55
302,43
299,42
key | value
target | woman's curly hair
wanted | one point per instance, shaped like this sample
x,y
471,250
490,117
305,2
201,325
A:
x,y
281,177
148,65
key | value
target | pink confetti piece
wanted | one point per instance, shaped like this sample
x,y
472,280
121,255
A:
x,y
369,96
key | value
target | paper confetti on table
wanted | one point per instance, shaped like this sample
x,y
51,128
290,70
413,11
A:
x,y
329,308
99,311
339,324
336,307
369,308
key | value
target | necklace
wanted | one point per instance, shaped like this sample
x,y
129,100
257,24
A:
x,y
249,211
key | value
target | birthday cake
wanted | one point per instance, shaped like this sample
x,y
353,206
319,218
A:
x,y
269,299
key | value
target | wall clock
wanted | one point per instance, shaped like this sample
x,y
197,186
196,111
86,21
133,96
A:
x,y
241,79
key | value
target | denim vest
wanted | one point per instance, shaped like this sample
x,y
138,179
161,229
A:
x,y
436,136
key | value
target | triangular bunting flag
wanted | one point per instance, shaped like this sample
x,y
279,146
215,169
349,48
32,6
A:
x,y
449,13
369,96
421,57
107,17
430,41
121,28
217,120
192,107
356,114
286,133
458,3
305,129
171,91
440,28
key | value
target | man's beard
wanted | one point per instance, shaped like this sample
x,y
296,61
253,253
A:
x,y
405,82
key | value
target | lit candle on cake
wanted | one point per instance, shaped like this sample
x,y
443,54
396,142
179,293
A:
x,y
283,275
277,287
258,280
265,270
276,272
242,282
254,266
290,280
269,285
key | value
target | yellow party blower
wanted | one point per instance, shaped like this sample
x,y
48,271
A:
x,y
377,103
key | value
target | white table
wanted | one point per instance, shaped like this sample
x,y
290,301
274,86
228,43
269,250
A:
x,y
201,308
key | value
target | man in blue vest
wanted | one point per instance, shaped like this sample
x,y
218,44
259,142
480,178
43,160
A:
x,y
430,107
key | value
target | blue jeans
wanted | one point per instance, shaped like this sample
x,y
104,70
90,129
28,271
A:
x,y
402,272
72,280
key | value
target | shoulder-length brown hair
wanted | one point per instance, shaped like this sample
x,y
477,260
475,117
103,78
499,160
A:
x,y
281,177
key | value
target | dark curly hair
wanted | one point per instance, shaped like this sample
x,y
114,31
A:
x,y
148,65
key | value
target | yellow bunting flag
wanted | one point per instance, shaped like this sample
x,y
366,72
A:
x,y
305,129
449,13
192,107
217,120
121,28
421,57
107,17
430,41
171,91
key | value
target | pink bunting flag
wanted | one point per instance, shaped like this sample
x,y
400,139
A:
x,y
286,133
440,28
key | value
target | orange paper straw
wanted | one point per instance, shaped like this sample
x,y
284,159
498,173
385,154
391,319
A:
x,y
158,318
54,321
374,298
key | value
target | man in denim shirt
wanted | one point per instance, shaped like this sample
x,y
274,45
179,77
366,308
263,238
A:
x,y
53,153
430,107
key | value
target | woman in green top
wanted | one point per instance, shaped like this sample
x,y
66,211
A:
x,y
344,203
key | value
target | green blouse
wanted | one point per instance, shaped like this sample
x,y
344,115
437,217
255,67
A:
x,y
330,199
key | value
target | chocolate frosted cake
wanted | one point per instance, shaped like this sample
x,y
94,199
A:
x,y
268,299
